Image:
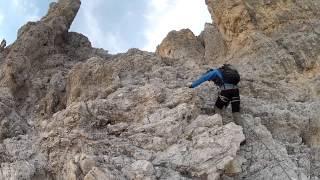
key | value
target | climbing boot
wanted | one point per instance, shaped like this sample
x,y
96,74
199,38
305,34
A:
x,y
237,118
217,111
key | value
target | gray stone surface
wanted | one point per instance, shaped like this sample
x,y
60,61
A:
x,y
70,111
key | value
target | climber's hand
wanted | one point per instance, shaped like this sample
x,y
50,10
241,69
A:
x,y
189,84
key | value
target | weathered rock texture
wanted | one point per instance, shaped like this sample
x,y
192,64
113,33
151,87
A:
x,y
180,44
213,42
70,111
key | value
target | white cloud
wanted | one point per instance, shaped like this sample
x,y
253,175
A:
x,y
1,23
88,24
32,18
1,19
160,17
25,6
166,15
27,9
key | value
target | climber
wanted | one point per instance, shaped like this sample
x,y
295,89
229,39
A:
x,y
3,44
227,79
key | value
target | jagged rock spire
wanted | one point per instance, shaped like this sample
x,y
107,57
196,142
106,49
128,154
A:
x,y
66,9
36,41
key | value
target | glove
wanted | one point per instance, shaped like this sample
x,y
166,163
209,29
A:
x,y
189,85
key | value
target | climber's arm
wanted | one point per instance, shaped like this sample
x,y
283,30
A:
x,y
206,77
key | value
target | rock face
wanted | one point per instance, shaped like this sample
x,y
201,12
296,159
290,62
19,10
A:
x,y
71,111
180,44
233,19
214,44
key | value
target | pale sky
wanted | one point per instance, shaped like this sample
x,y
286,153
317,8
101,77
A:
x,y
115,25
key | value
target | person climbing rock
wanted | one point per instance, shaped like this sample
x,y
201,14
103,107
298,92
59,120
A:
x,y
227,79
3,44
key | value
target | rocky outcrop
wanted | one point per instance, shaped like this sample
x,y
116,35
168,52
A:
x,y
278,60
237,19
71,111
181,44
62,12
289,24
233,20
12,124
214,44
36,67
35,44
262,150
276,16
143,149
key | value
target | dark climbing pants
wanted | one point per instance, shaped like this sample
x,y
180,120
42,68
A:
x,y
229,95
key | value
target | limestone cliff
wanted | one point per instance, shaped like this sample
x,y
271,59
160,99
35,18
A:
x,y
71,111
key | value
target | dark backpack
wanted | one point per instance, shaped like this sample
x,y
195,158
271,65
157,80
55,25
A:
x,y
230,74
217,81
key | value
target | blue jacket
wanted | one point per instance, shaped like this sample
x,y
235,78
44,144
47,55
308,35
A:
x,y
216,73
